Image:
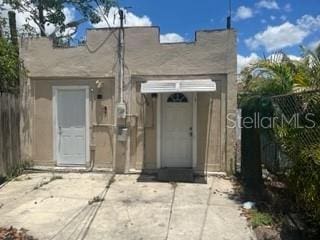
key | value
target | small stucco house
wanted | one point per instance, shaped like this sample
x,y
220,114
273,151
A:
x,y
166,108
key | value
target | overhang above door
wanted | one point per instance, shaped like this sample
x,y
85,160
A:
x,y
167,86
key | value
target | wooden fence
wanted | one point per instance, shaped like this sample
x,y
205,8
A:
x,y
9,133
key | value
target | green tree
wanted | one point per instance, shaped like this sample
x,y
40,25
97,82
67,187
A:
x,y
44,12
311,64
275,76
9,66
270,76
279,74
267,77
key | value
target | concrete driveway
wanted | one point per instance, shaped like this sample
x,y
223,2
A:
x,y
67,206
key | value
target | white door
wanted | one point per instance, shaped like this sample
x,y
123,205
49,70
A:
x,y
176,130
71,126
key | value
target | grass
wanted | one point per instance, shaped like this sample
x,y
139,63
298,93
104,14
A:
x,y
15,172
260,219
95,200
53,178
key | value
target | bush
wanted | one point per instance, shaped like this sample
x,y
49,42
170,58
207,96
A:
x,y
304,181
304,175
9,67
258,219
302,146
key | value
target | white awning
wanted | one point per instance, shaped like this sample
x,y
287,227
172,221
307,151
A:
x,y
167,86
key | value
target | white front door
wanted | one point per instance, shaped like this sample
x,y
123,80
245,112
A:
x,y
70,126
176,145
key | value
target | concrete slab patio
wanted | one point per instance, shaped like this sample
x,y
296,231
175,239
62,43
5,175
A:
x,y
56,206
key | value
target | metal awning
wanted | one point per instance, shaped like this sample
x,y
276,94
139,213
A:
x,y
167,86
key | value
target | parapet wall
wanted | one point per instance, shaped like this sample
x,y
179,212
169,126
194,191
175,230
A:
x,y
144,54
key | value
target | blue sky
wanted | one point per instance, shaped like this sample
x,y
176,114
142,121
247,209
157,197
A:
x,y
186,16
263,26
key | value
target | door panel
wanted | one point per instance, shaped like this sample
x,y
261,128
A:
x,y
176,130
71,126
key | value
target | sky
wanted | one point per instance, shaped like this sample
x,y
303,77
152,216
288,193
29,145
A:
x,y
263,26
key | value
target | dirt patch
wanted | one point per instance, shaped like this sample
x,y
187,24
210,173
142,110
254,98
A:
x,y
267,233
274,215
14,234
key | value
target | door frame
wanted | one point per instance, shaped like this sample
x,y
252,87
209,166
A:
x,y
194,129
55,90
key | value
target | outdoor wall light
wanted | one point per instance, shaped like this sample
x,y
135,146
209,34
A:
x,y
99,84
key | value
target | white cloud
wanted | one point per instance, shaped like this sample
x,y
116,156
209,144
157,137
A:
x,y
23,18
268,4
309,22
244,61
243,13
276,57
288,7
171,38
284,35
294,57
131,20
277,37
273,17
283,17
70,14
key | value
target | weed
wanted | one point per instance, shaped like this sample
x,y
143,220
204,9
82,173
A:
x,y
112,180
173,185
15,171
17,179
260,219
95,200
53,178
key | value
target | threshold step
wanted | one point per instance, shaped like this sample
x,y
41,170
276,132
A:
x,y
176,175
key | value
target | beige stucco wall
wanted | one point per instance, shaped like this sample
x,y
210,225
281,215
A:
x,y
100,136
212,55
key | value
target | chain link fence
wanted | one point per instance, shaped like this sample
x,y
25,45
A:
x,y
299,113
296,119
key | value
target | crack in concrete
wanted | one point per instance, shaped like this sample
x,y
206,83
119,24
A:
x,y
206,211
174,185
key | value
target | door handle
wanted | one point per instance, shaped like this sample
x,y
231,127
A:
x,y
60,130
190,132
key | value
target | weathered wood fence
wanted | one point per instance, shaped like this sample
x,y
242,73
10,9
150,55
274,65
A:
x,y
9,133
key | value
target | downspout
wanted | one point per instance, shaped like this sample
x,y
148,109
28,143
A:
x,y
92,161
208,137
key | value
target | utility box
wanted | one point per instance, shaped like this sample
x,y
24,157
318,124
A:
x,y
121,110
122,134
